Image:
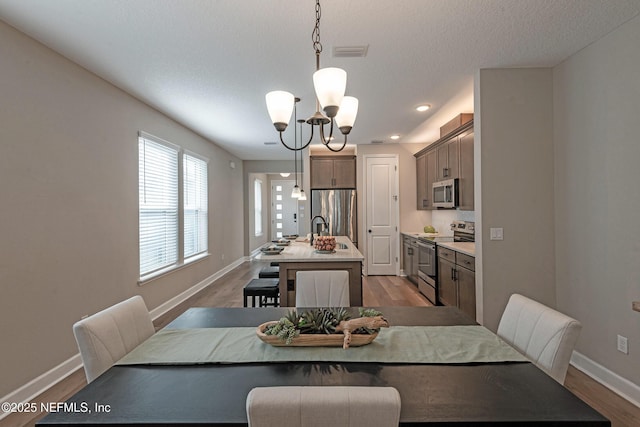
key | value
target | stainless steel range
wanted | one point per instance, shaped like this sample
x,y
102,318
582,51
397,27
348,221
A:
x,y
463,231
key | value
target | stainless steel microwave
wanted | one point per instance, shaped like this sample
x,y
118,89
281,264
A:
x,y
445,193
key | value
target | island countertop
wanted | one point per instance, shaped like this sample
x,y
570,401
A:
x,y
304,252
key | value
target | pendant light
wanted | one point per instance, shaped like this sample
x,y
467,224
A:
x,y
330,84
303,195
295,193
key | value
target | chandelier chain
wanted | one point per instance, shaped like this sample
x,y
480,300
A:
x,y
315,36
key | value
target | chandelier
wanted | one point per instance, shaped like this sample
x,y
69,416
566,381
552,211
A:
x,y
330,84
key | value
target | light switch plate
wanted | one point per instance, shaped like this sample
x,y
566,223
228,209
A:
x,y
496,233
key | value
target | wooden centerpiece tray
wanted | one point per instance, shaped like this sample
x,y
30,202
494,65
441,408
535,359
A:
x,y
314,340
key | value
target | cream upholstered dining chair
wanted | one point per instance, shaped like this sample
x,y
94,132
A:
x,y
105,337
322,288
323,406
546,336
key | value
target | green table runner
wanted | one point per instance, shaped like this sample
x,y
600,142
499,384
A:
x,y
397,344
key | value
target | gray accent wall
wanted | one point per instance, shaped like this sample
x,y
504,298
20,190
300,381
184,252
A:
x,y
597,195
514,188
69,204
559,171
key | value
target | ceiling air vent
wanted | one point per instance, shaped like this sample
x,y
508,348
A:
x,y
270,143
377,141
350,51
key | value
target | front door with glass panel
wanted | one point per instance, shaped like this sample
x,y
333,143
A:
x,y
284,209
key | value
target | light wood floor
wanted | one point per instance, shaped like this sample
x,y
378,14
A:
x,y
378,291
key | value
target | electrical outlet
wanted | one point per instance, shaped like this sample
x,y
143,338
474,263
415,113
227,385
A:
x,y
623,344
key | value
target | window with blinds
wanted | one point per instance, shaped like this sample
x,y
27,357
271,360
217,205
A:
x,y
195,205
257,206
172,192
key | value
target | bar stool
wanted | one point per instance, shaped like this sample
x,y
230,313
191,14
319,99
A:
x,y
267,291
269,273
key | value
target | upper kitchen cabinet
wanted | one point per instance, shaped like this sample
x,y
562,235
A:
x,y
465,174
426,176
333,172
449,157
448,154
421,182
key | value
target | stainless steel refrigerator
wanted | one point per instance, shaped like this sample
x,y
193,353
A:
x,y
338,208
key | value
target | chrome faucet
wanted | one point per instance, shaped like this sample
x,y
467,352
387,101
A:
x,y
324,221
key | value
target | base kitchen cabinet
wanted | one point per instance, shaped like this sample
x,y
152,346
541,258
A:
x,y
410,258
457,280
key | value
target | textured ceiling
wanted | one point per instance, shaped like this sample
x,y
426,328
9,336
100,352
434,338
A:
x,y
208,63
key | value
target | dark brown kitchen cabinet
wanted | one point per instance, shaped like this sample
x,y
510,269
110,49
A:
x,y
421,182
447,289
410,258
448,158
465,174
457,280
333,172
426,176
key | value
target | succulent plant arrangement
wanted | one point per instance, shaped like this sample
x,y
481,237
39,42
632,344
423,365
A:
x,y
326,321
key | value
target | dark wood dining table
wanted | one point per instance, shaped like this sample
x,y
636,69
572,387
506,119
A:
x,y
508,394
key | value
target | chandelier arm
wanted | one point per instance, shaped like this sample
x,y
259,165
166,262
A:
x,y
310,138
326,141
339,149
285,144
297,148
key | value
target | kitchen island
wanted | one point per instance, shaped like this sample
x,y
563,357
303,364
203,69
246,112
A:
x,y
301,256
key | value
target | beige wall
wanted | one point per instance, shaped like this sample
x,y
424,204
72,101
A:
x,y
514,143
596,107
69,194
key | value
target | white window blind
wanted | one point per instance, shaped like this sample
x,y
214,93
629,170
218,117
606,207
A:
x,y
158,195
257,206
195,205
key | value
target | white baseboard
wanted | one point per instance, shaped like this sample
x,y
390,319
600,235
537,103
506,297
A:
x,y
619,385
163,308
42,383
50,378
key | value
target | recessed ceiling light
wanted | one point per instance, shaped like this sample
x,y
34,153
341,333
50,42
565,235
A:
x,y
422,108
394,137
284,174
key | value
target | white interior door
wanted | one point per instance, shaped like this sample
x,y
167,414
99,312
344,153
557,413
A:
x,y
284,209
381,214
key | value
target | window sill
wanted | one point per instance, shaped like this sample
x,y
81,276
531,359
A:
x,y
165,271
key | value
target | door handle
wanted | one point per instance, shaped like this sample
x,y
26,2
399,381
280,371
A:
x,y
369,231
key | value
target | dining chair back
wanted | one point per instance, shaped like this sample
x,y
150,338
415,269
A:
x,y
105,337
322,406
322,288
546,336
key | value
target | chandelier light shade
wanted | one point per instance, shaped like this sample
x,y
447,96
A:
x,y
295,193
346,116
280,107
303,195
330,85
